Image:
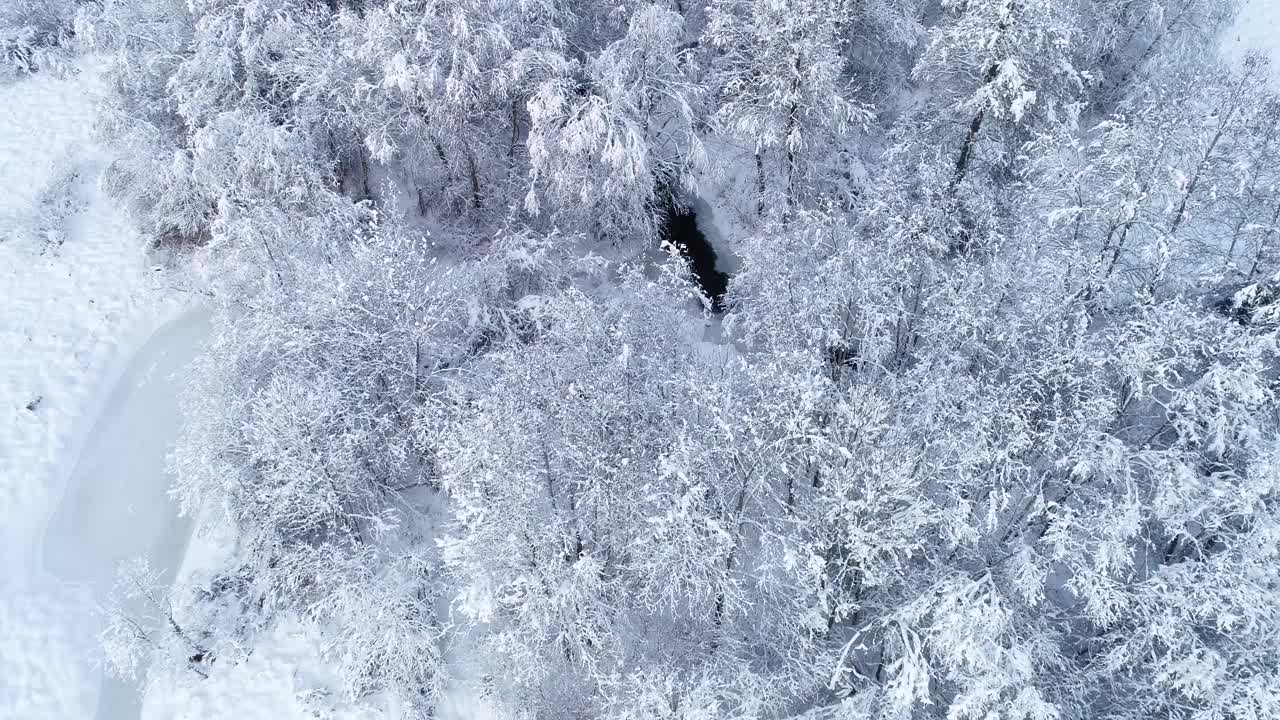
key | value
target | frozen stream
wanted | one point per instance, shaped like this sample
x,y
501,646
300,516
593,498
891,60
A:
x,y
116,505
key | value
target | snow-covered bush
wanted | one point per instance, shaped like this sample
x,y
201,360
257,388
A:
x,y
34,35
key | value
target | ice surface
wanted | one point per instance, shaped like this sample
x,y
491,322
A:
x,y
117,505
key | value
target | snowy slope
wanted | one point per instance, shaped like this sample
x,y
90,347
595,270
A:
x,y
75,295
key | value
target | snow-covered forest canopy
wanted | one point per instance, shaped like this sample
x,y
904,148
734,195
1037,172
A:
x,y
985,425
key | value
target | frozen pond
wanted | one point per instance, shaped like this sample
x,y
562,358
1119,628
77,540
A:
x,y
116,505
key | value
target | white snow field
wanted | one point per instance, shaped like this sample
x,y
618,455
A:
x,y
76,296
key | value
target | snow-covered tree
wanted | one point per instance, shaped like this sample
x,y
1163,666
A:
x,y
780,87
34,35
609,136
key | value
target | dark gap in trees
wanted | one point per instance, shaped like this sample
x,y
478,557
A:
x,y
1242,309
681,230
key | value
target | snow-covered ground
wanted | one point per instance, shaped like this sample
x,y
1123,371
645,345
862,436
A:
x,y
1256,28
77,296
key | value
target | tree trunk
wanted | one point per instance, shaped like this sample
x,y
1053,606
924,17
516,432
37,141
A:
x,y
363,163
966,152
444,162
475,182
515,131
759,184
975,126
